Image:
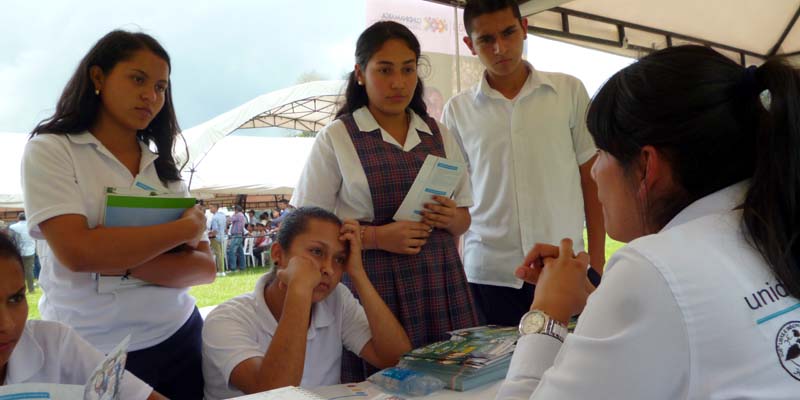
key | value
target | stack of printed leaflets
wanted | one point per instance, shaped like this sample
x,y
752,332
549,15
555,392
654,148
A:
x,y
472,357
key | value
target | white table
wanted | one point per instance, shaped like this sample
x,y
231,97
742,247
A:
x,y
340,392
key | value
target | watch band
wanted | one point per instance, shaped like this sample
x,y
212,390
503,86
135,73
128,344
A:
x,y
555,329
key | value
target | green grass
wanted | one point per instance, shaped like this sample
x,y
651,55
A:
x,y
234,284
33,304
227,287
612,246
222,289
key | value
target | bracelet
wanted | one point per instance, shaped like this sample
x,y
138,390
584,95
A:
x,y
363,229
375,237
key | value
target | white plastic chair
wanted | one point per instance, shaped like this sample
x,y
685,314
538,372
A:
x,y
249,258
225,253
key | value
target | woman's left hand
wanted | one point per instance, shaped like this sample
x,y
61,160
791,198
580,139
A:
x,y
561,289
440,215
351,233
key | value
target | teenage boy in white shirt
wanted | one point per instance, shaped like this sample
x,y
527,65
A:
x,y
291,329
530,156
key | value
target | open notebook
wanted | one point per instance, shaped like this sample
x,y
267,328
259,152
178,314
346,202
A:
x,y
284,393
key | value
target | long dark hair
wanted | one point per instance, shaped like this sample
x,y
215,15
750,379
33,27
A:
x,y
370,41
77,107
716,123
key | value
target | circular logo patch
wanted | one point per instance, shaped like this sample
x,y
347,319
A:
x,y
787,344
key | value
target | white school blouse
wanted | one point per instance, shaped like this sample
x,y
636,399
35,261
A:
x,y
334,179
49,352
243,327
68,174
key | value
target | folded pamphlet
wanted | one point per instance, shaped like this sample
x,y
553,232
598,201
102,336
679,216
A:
x,y
437,176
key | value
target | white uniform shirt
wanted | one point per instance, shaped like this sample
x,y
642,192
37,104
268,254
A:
x,y
523,156
68,174
243,327
692,312
334,179
49,352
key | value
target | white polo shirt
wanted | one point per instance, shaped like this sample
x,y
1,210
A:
x,y
243,327
334,179
692,312
49,352
68,174
523,156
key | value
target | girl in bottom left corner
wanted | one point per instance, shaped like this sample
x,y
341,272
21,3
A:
x,y
33,351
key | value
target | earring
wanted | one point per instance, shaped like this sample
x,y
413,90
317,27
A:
x,y
97,92
360,83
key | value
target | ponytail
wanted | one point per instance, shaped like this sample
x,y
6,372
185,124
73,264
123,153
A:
x,y
771,212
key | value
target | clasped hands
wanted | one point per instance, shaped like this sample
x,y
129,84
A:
x,y
562,285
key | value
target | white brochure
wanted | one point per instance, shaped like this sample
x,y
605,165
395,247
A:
x,y
438,176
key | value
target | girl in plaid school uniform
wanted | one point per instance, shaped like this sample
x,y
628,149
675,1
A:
x,y
361,167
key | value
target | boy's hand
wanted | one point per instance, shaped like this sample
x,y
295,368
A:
x,y
351,234
302,273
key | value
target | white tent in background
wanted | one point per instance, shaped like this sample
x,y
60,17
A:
x,y
251,165
12,145
258,165
746,30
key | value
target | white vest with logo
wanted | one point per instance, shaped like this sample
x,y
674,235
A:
x,y
743,326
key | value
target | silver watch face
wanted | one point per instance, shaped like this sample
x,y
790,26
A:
x,y
532,322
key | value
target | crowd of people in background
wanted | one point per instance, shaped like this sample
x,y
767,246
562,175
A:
x,y
229,232
685,155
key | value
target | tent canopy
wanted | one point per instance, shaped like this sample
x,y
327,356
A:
x,y
745,30
308,106
10,163
251,165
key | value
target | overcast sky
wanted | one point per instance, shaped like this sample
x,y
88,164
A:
x,y
224,53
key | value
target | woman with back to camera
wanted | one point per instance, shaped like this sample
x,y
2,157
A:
x,y
699,170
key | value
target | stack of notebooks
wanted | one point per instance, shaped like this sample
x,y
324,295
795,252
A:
x,y
472,357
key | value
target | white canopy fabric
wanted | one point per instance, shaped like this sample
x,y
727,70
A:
x,y
12,145
250,165
746,30
308,106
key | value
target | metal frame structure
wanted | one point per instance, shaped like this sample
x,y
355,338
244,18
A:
x,y
310,114
623,28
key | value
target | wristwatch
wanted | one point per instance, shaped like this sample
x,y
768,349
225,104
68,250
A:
x,y
535,321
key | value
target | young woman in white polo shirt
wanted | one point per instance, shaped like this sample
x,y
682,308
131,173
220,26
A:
x,y
116,106
699,170
291,329
45,351
362,166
